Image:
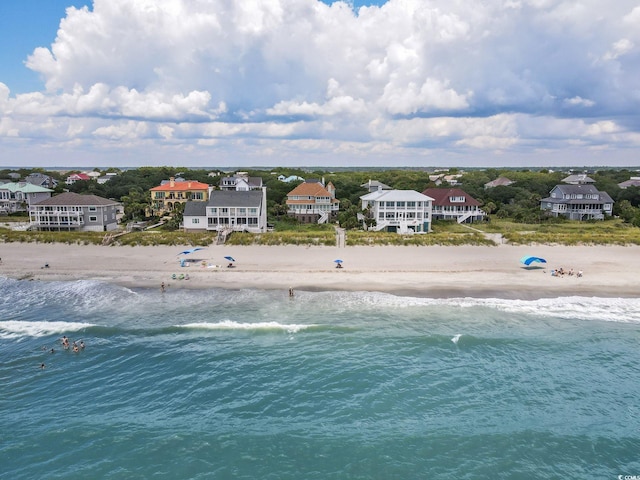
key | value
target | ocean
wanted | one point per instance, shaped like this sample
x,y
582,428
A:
x,y
252,384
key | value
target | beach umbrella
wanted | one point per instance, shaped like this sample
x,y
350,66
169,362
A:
x,y
528,260
187,252
338,261
231,259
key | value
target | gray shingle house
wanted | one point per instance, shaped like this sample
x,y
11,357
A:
x,y
228,209
578,202
72,211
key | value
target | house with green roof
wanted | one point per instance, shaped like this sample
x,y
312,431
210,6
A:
x,y
19,196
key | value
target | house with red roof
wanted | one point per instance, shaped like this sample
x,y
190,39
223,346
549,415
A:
x,y
312,202
77,177
166,197
454,204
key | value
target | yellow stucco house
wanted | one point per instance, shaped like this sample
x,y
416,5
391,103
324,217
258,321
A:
x,y
165,197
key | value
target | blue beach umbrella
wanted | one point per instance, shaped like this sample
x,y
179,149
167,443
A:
x,y
187,252
231,259
338,261
528,260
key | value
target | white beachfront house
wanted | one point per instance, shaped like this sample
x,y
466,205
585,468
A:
x,y
401,211
243,211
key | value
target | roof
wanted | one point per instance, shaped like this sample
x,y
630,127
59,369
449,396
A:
x,y
499,182
75,199
396,196
442,196
80,176
310,189
194,209
581,189
579,178
24,187
233,198
375,184
181,186
634,182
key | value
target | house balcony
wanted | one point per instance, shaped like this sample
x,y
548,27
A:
x,y
399,224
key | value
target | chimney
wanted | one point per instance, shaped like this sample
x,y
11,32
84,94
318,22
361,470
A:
x,y
172,181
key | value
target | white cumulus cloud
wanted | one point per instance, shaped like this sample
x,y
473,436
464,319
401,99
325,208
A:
x,y
263,80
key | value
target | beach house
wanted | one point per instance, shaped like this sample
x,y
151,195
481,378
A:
x,y
400,211
312,202
244,211
41,180
165,197
240,182
77,177
19,196
578,202
373,185
454,204
72,211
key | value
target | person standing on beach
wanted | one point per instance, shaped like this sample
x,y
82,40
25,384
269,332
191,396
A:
x,y
162,287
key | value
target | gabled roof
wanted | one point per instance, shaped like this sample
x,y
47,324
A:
x,y
233,198
70,199
396,196
80,176
442,197
181,186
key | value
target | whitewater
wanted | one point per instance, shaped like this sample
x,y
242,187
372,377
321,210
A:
x,y
252,384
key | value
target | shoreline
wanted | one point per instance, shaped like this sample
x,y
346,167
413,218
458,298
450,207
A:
x,y
435,271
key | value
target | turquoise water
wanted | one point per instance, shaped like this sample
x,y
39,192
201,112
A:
x,y
252,384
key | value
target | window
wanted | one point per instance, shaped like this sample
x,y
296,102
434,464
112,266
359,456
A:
x,y
93,209
195,220
93,219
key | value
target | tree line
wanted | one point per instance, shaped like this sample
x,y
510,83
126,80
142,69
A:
x,y
519,202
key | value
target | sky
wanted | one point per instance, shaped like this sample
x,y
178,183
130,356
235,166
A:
x,y
259,83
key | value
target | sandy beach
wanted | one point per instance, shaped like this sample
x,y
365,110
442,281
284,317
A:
x,y
463,271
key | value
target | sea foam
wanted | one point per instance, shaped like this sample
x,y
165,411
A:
x,y
231,325
17,329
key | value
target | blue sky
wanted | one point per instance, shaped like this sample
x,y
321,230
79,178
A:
x,y
25,25
300,82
